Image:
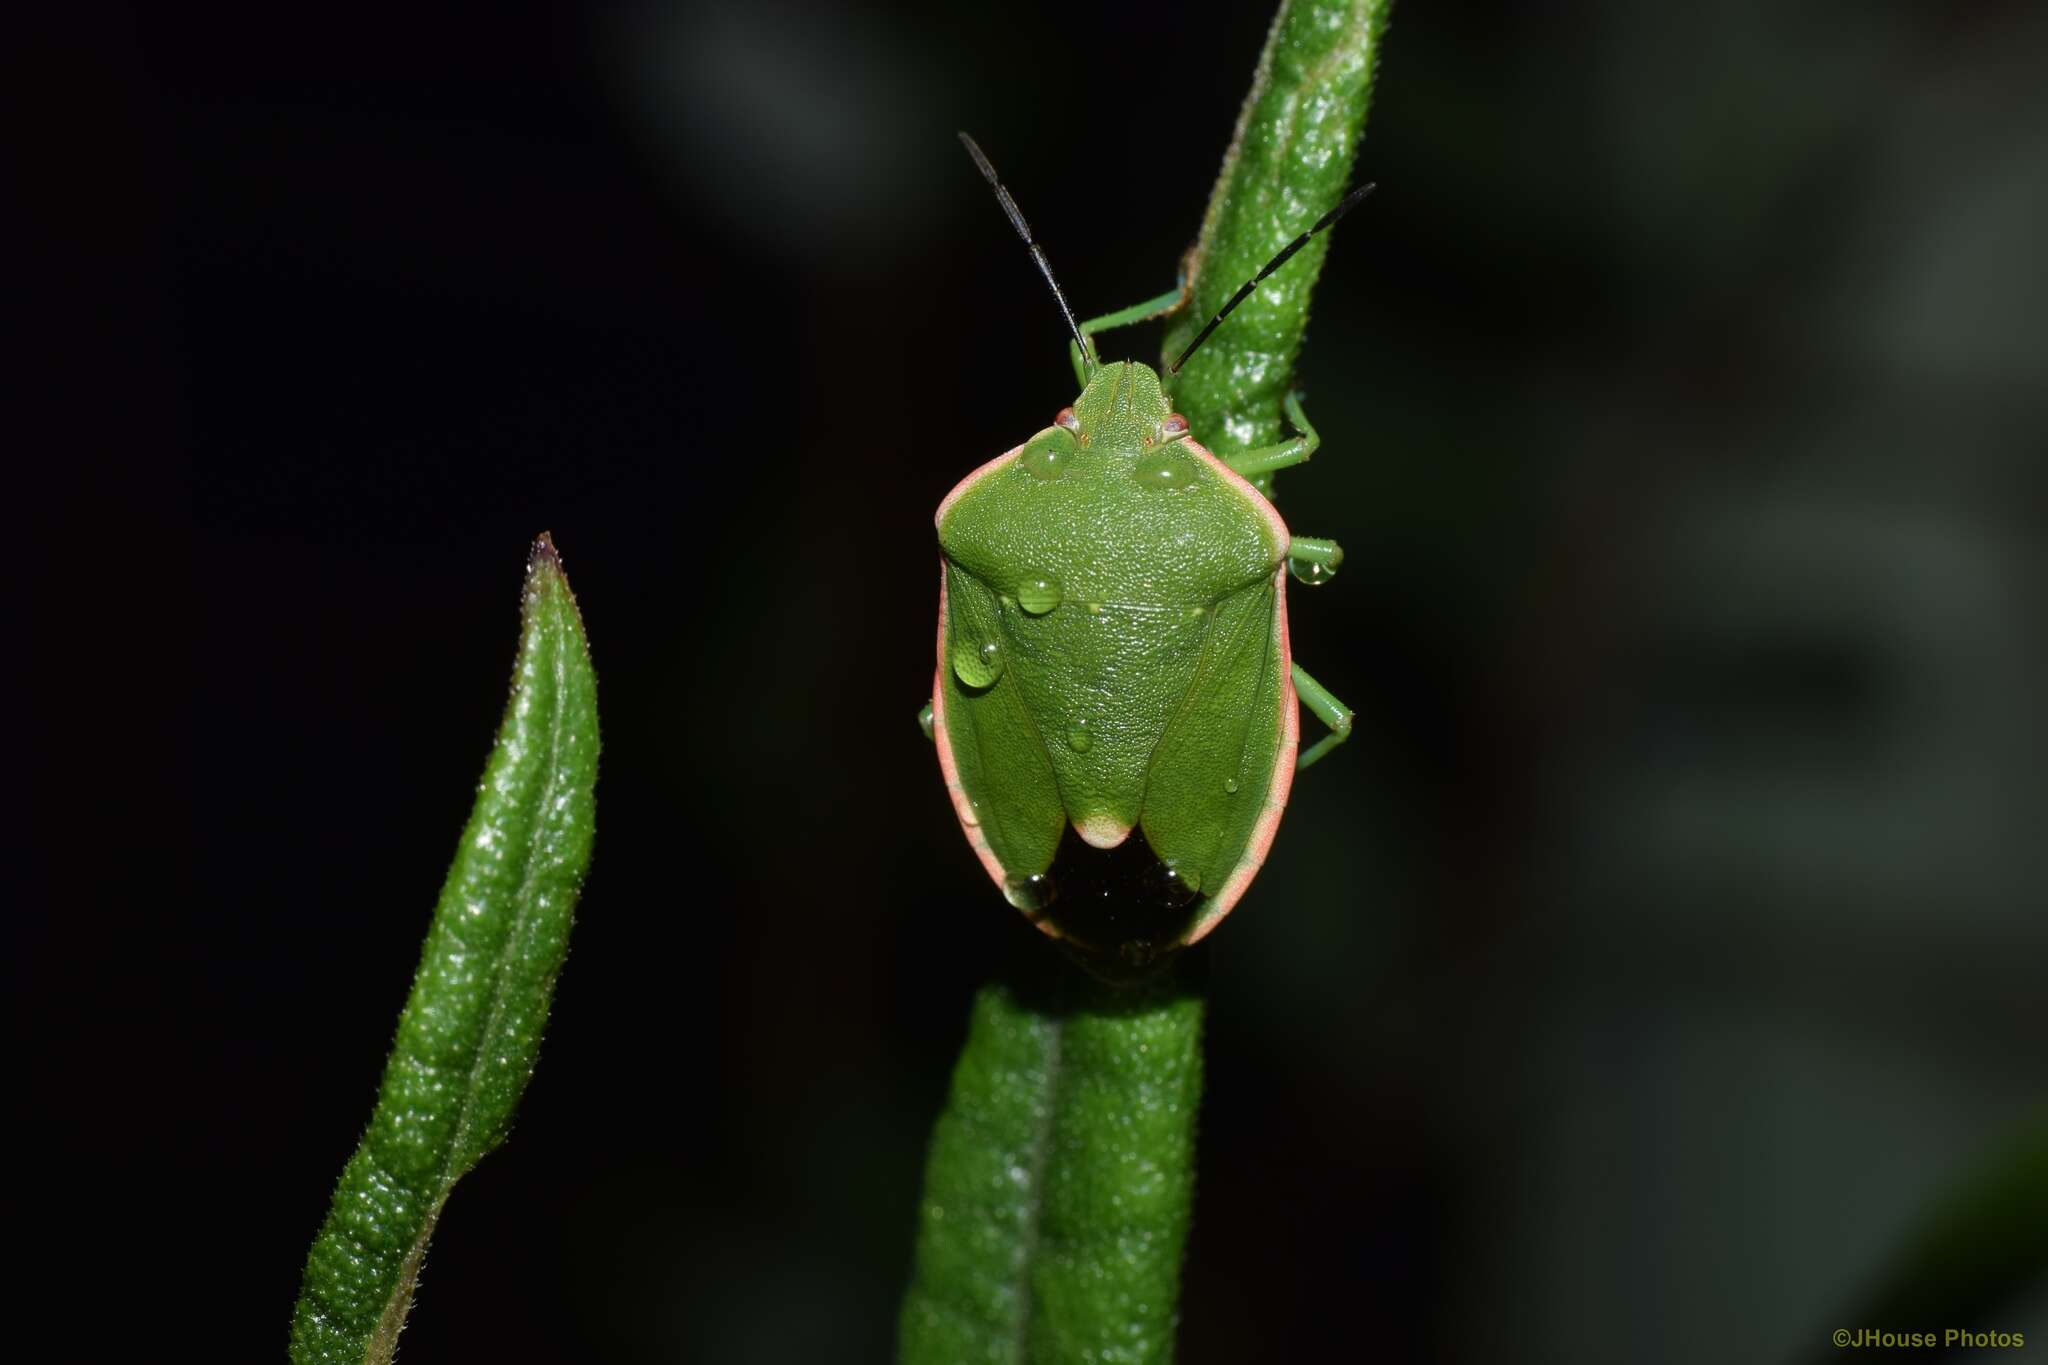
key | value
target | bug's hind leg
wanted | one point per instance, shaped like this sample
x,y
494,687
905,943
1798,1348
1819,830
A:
x,y
1260,461
1166,303
1327,709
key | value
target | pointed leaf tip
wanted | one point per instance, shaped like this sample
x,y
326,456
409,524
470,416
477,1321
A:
x,y
470,1033
546,579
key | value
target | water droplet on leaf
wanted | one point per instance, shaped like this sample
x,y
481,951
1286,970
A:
x,y
1230,786
1077,738
1034,892
1038,595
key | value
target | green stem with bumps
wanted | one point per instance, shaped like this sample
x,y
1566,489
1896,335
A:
x,y
1289,163
470,1032
1061,1173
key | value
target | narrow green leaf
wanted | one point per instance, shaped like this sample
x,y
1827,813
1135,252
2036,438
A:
x,y
470,1032
1059,1181
1289,163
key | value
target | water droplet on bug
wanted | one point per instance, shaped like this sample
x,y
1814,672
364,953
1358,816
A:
x,y
1169,468
1047,459
1230,786
1034,892
977,664
1178,886
1310,573
1038,595
1077,738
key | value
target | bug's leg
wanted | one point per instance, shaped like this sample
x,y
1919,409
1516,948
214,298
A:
x,y
924,720
1260,461
1124,317
1326,709
1313,561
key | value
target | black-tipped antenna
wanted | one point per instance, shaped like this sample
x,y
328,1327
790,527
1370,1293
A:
x,y
988,173
1344,206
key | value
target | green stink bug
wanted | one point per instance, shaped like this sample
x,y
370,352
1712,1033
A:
x,y
1113,655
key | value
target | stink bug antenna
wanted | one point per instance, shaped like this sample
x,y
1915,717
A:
x,y
1344,206
988,173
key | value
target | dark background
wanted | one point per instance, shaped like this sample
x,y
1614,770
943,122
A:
x,y
1667,938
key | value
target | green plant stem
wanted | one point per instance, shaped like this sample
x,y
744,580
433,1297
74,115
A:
x,y
470,1032
1289,162
1059,1182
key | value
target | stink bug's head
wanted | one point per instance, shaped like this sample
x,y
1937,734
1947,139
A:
x,y
1121,423
1124,407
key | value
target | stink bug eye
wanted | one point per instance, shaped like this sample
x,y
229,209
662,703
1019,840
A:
x,y
1115,702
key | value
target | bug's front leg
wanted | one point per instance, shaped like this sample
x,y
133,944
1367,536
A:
x,y
1327,709
1124,317
1260,461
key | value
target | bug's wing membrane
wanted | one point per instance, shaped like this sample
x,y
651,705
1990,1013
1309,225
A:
x,y
996,750
1207,788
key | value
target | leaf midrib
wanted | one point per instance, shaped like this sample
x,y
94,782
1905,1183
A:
x,y
1040,1154
522,905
